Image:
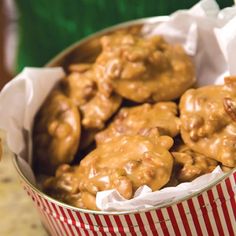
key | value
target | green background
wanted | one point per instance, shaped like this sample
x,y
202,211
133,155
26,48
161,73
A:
x,y
48,26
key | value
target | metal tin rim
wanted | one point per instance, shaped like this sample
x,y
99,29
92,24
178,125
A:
x,y
149,20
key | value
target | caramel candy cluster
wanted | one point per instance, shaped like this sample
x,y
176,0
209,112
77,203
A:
x,y
56,132
124,163
188,164
143,69
208,121
133,120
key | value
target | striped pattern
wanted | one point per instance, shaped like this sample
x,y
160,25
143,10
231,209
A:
x,y
213,212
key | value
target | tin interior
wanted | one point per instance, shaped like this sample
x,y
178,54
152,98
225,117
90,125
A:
x,y
86,50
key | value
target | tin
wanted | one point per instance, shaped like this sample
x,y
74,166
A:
x,y
209,212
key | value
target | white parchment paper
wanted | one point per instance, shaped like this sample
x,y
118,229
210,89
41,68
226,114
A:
x,y
208,36
111,200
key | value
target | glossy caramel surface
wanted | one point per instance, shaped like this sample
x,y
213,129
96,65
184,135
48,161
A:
x,y
133,120
56,132
208,121
125,163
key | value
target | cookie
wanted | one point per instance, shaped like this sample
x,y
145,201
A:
x,y
132,120
208,121
56,133
143,69
190,165
95,106
124,164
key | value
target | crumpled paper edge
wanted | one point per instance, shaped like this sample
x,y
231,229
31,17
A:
x,y
144,197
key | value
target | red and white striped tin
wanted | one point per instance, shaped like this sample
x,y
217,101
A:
x,y
210,212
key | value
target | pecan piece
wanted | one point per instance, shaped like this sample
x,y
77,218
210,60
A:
x,y
230,107
230,81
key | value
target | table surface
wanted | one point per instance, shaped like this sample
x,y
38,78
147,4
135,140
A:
x,y
18,217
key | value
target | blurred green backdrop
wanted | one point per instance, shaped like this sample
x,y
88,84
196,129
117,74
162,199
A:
x,y
48,26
